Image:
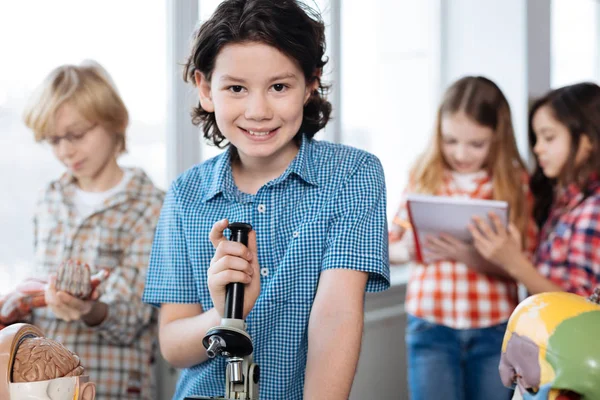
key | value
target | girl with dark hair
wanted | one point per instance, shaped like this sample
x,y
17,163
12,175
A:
x,y
317,209
459,303
564,135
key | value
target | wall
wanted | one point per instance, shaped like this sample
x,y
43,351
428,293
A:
x,y
507,41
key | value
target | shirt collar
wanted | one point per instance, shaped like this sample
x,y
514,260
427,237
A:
x,y
572,195
301,166
222,179
139,186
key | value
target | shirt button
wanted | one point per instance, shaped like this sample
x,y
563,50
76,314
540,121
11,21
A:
x,y
264,271
296,234
261,208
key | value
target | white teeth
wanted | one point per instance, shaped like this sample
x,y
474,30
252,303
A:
x,y
256,133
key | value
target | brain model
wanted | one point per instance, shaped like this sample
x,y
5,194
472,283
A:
x,y
33,367
39,359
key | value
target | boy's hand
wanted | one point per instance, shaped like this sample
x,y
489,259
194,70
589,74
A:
x,y
67,307
233,262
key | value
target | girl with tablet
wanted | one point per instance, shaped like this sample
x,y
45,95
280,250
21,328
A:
x,y
564,135
457,307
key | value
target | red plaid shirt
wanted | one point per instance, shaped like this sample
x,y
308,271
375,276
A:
x,y
569,251
448,292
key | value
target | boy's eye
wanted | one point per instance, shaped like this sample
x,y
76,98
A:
x,y
279,87
236,88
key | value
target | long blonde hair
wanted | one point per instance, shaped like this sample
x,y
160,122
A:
x,y
481,100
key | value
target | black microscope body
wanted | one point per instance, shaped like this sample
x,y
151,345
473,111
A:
x,y
230,339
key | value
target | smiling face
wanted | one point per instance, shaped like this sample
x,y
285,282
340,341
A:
x,y
465,144
257,94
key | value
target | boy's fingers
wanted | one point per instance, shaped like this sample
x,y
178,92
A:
x,y
71,301
229,248
95,295
224,278
52,282
230,263
50,293
216,233
253,247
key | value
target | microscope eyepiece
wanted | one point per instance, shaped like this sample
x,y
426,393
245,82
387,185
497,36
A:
x,y
239,232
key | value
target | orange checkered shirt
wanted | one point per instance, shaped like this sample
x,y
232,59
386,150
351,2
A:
x,y
448,292
118,354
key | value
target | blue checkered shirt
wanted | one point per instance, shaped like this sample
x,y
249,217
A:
x,y
327,210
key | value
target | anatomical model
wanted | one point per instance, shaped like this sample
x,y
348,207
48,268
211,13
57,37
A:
x,y
73,277
33,367
551,348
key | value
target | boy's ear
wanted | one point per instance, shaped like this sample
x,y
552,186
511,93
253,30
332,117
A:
x,y
204,92
313,84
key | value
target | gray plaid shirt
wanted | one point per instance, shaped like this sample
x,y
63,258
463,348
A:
x,y
118,354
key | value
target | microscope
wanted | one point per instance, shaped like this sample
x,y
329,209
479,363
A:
x,y
230,339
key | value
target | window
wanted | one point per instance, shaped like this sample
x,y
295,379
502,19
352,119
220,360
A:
x,y
128,43
389,83
575,41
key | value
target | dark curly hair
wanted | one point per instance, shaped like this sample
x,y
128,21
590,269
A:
x,y
290,26
577,107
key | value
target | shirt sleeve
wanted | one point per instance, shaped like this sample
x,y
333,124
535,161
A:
x,y
358,239
170,276
127,315
583,258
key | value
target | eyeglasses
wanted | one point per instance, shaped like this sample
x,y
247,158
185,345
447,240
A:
x,y
72,138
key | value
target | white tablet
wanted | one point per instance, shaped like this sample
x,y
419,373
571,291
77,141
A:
x,y
433,215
